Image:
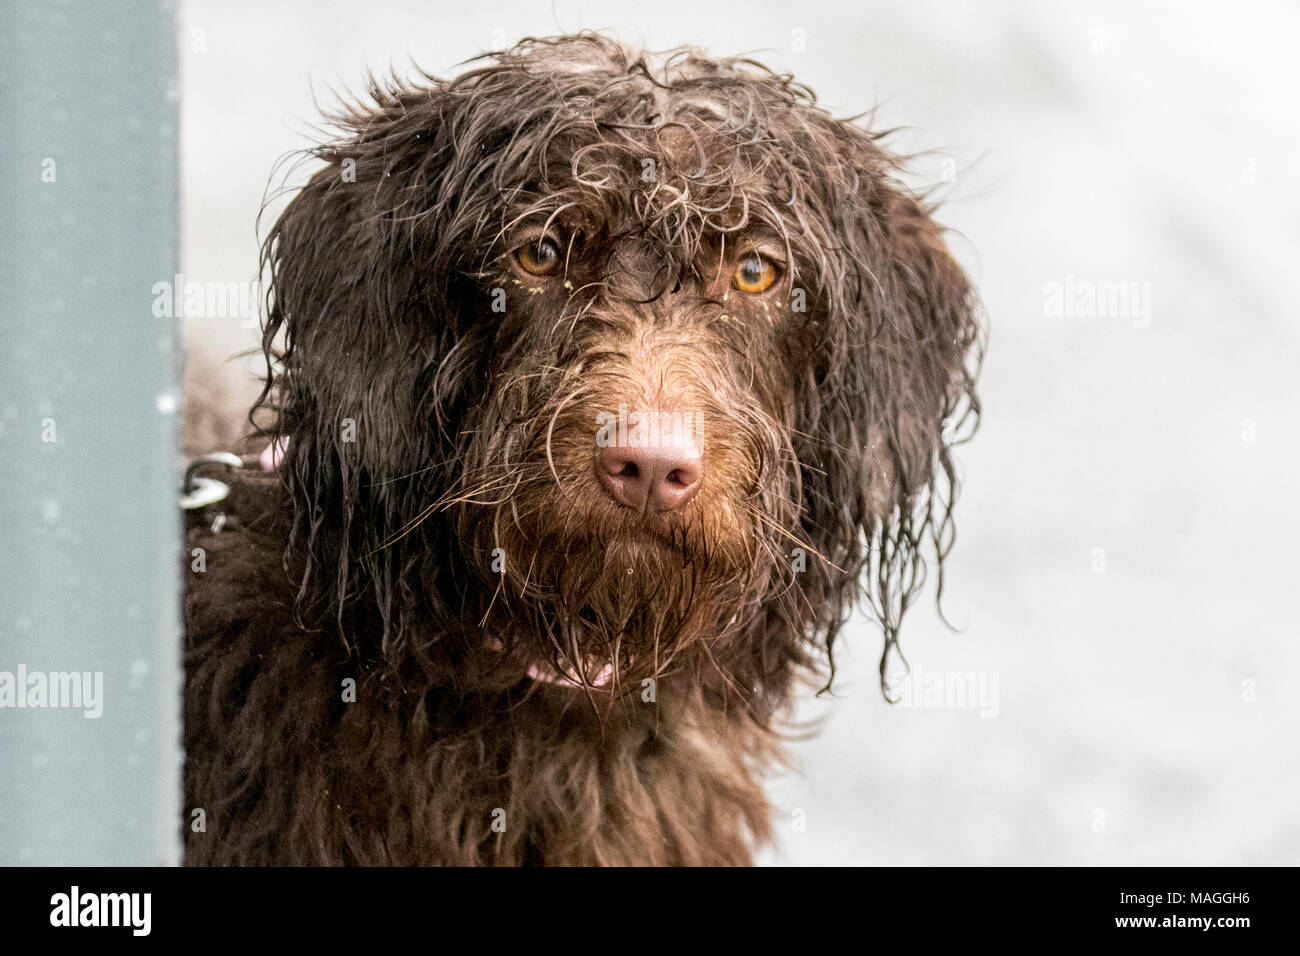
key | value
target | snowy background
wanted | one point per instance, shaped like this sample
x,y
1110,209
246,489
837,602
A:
x,y
1123,567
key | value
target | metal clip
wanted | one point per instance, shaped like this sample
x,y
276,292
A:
x,y
199,492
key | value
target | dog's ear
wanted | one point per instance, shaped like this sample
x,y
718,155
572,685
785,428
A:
x,y
359,325
916,369
893,386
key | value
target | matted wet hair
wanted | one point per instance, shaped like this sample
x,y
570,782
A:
x,y
374,314
428,434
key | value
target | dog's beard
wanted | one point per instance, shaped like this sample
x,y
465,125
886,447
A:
x,y
608,598
586,591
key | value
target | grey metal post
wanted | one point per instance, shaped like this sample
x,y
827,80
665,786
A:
x,y
89,541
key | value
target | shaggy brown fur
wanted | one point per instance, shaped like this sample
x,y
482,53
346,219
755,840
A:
x,y
543,675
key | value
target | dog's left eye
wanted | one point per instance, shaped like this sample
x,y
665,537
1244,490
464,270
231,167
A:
x,y
754,274
539,257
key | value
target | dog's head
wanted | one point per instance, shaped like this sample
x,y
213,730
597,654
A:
x,y
587,358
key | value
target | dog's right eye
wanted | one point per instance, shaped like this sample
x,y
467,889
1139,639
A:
x,y
539,257
754,274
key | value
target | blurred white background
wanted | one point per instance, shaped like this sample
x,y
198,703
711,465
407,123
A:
x,y
1123,563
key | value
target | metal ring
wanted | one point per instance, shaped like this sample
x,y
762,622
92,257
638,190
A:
x,y
200,492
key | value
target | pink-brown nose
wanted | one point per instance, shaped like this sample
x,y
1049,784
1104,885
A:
x,y
650,480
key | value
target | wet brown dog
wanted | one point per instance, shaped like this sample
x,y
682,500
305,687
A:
x,y
606,384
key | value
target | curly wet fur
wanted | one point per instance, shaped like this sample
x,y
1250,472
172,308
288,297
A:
x,y
435,534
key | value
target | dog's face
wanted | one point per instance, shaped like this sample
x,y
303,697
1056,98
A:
x,y
639,358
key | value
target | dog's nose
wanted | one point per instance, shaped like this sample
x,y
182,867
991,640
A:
x,y
650,480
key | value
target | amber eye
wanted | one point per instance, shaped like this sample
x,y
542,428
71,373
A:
x,y
754,274
539,257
